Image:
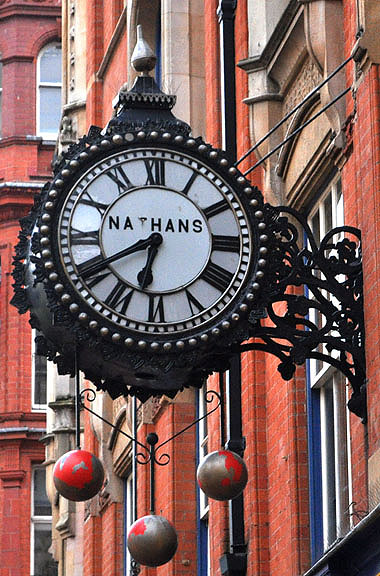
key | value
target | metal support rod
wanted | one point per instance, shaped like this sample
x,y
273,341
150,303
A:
x,y
293,134
77,402
294,110
222,410
152,440
134,462
163,459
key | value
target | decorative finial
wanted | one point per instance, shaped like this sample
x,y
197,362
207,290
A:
x,y
143,58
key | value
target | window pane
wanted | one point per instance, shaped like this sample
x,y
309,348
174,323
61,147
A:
x,y
50,65
328,213
315,226
328,444
40,377
41,503
50,109
44,565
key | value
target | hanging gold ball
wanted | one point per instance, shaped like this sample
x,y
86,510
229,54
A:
x,y
222,475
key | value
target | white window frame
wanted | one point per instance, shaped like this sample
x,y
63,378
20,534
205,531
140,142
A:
x,y
45,135
202,447
129,519
36,407
327,378
337,220
338,441
35,520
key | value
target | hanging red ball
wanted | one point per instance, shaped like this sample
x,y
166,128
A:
x,y
78,475
222,475
152,541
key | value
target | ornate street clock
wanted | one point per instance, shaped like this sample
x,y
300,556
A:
x,y
144,256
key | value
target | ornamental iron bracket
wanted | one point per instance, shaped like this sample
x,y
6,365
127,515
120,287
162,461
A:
x,y
312,307
150,453
299,299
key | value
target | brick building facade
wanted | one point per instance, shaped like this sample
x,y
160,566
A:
x,y
311,505
29,40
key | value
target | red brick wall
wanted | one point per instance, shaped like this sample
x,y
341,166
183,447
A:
x,y
274,411
22,159
361,186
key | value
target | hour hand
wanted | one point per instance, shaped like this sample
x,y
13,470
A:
x,y
145,276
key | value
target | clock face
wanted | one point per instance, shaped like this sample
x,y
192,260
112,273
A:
x,y
154,241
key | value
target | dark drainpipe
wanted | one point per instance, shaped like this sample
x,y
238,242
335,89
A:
x,y
226,17
234,563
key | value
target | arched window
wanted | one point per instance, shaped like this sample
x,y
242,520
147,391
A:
x,y
49,84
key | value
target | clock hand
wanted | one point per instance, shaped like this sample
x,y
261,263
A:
x,y
145,276
95,265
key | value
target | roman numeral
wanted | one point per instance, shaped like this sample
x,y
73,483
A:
x,y
120,178
189,183
84,237
155,170
226,243
117,297
215,209
194,305
89,201
156,309
217,276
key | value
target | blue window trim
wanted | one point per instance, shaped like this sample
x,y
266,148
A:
x,y
314,463
315,469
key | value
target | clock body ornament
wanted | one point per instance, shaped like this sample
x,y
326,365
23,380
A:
x,y
144,256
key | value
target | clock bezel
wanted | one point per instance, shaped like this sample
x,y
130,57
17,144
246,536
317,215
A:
x,y
229,324
198,320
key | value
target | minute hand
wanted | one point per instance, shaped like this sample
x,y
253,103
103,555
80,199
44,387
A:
x,y
99,266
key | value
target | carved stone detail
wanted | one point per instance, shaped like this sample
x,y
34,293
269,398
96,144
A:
x,y
308,78
68,131
71,41
323,20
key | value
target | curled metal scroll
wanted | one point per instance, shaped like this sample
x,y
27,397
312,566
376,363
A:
x,y
164,458
89,394
313,303
150,451
134,568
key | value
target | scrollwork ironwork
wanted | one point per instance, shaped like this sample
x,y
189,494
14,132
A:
x,y
134,568
313,302
150,452
149,456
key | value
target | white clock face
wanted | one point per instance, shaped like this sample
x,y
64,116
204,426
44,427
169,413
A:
x,y
154,241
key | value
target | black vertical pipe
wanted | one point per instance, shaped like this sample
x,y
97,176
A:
x,y
77,402
134,462
236,443
222,409
235,562
152,440
134,566
226,17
